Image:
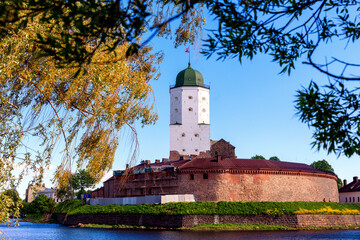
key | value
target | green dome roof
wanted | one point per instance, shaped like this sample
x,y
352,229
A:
x,y
189,77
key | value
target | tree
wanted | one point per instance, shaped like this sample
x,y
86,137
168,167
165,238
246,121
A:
x,y
80,108
82,180
257,157
41,205
324,166
286,30
103,23
274,158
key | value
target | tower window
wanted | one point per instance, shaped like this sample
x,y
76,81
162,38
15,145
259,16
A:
x,y
190,109
176,98
191,176
190,97
204,110
196,150
196,135
205,176
184,150
203,98
183,134
176,110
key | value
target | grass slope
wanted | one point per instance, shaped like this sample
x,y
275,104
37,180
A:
x,y
211,208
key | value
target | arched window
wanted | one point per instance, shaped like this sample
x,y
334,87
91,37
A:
x,y
205,176
191,176
190,97
183,134
190,109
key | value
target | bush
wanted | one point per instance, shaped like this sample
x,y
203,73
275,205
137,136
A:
x,y
41,205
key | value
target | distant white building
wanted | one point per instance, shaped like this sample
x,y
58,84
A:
x,y
350,193
35,190
189,113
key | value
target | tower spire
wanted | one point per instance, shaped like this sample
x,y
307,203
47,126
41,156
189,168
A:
x,y
188,51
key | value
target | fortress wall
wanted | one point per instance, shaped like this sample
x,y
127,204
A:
x,y
258,187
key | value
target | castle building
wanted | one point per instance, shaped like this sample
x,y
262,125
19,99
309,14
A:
x,y
209,170
189,113
350,192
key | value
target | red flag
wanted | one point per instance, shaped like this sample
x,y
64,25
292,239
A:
x,y
187,50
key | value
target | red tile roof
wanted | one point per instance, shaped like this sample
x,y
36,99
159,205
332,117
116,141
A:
x,y
354,186
246,164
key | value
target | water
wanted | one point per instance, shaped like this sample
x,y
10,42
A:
x,y
39,231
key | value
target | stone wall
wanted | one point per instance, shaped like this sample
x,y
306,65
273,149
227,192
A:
x,y
222,148
279,187
176,221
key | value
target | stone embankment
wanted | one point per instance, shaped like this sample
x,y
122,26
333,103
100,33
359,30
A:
x,y
178,221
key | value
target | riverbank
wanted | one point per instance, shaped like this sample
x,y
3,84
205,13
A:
x,y
279,215
223,227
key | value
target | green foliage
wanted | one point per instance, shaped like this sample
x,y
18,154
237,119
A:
x,y
323,165
41,205
206,208
258,157
77,24
274,158
82,180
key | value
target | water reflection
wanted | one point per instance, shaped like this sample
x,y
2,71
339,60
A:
x,y
37,231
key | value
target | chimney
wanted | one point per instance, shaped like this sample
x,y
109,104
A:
x,y
157,160
165,159
345,182
355,179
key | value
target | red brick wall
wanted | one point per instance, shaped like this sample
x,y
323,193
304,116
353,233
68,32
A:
x,y
222,186
258,187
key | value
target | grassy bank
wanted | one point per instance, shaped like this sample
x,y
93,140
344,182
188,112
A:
x,y
221,227
38,218
211,208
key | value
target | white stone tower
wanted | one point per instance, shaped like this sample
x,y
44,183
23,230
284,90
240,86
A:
x,y
189,113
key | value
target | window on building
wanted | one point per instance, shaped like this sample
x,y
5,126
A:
x,y
176,110
196,150
190,97
353,199
205,176
176,98
346,199
191,176
204,110
203,98
196,135
184,150
349,199
183,134
358,199
190,109
189,79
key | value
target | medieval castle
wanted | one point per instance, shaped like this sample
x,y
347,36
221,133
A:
x,y
209,170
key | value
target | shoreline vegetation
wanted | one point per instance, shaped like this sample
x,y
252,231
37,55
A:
x,y
221,227
75,207
213,208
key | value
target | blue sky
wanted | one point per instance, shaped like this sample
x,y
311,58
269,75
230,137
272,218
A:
x,y
251,106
